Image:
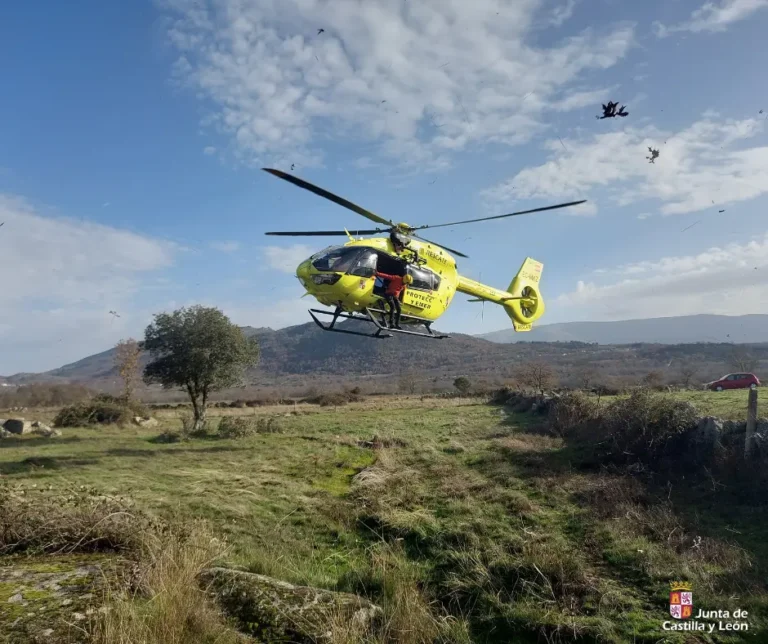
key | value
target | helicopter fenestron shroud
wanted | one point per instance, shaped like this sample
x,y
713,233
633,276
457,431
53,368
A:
x,y
521,301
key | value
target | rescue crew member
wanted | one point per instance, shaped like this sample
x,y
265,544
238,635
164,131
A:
x,y
395,286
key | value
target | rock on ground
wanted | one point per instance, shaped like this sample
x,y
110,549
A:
x,y
275,610
17,426
44,430
40,596
145,422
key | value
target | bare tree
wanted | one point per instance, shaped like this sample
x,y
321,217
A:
x,y
653,379
687,374
742,360
408,382
127,355
537,375
587,377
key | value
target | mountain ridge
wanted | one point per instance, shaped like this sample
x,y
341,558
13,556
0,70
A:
x,y
304,351
704,327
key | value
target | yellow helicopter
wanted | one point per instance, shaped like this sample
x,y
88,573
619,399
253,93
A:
x,y
344,276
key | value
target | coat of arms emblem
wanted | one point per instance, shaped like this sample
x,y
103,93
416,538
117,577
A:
x,y
680,600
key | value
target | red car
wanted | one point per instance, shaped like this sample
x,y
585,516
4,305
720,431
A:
x,y
734,381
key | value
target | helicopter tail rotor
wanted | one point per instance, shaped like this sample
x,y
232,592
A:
x,y
525,305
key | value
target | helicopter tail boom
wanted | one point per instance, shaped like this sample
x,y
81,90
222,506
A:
x,y
522,300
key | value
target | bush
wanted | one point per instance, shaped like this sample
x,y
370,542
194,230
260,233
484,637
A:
x,y
78,520
104,409
462,384
571,412
188,426
644,428
244,426
333,399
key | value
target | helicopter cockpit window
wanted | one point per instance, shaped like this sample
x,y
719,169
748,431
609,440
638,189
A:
x,y
339,259
423,280
365,266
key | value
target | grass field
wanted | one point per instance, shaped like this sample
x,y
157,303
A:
x,y
501,536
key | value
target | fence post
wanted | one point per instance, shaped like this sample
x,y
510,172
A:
x,y
751,422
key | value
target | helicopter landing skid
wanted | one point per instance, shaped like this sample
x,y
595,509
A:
x,y
382,331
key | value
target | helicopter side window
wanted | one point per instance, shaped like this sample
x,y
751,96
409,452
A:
x,y
365,266
423,280
338,260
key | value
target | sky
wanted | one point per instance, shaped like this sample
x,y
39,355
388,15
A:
x,y
132,137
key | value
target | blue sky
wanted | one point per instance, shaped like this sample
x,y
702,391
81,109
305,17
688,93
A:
x,y
131,135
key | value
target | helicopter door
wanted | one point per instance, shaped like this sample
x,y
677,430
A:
x,y
420,293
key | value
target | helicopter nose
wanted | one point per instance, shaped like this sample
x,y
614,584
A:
x,y
302,272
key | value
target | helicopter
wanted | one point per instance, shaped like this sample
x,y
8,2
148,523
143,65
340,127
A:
x,y
344,276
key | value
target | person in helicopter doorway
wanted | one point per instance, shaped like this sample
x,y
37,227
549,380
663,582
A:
x,y
395,286
400,243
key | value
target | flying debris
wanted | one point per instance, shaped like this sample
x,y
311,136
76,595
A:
x,y
320,31
610,111
292,165
117,315
721,211
654,155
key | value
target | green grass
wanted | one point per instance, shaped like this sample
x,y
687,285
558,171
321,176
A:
x,y
490,522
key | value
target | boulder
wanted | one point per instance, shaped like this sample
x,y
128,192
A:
x,y
274,610
17,426
145,422
43,430
709,430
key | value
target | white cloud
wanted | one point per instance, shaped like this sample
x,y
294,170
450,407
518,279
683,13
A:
x,y
723,280
452,73
59,278
562,13
286,259
209,150
226,246
644,215
713,16
697,166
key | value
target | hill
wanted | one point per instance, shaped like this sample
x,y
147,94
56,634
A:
x,y
667,330
303,354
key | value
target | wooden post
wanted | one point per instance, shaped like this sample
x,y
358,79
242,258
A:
x,y
751,422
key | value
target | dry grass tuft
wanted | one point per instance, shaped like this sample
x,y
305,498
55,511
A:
x,y
167,605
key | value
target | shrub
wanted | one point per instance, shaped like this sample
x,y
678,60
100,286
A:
x,y
642,428
333,399
189,428
104,409
78,520
462,384
570,412
244,426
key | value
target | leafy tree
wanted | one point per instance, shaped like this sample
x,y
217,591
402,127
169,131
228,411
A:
x,y
200,351
462,384
537,375
127,355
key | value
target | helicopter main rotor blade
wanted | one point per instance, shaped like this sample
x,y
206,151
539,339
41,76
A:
x,y
325,233
450,250
512,214
329,195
